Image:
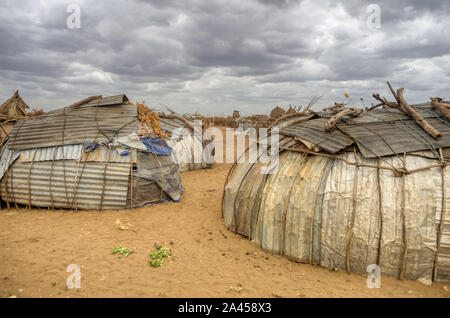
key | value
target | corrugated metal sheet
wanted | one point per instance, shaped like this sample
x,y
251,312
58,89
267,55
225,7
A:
x,y
74,152
377,133
385,114
78,125
313,131
384,139
105,154
105,101
7,158
71,152
168,125
88,190
304,211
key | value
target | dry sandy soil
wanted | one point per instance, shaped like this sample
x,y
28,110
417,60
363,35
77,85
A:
x,y
208,260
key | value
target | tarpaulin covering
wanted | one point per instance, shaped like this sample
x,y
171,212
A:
x,y
156,145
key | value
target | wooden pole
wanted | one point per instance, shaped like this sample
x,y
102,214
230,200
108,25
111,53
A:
x,y
417,117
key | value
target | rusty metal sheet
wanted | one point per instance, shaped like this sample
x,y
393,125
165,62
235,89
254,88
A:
x,y
313,131
74,126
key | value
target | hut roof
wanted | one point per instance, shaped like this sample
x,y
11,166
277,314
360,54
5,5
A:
x,y
277,112
15,106
377,133
101,119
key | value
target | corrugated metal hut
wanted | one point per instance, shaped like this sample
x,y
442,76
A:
x,y
185,148
372,191
71,158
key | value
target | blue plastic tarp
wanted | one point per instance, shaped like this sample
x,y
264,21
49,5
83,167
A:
x,y
89,146
157,146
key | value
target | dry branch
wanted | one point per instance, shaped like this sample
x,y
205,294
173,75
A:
x,y
331,123
417,117
336,108
298,120
441,107
403,106
385,102
373,107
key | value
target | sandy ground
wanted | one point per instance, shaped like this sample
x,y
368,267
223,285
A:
x,y
208,260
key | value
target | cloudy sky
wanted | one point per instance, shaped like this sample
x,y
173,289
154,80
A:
x,y
215,56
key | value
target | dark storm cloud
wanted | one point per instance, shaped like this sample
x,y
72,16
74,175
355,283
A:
x,y
216,55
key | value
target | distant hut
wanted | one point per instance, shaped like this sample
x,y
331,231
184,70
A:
x,y
87,156
372,191
10,111
277,112
187,149
14,107
291,110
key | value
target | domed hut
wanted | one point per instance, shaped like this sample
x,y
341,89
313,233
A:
x,y
183,134
187,148
353,188
277,112
89,155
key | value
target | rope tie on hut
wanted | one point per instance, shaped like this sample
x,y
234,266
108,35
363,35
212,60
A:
x,y
160,173
442,220
62,152
283,224
380,210
74,198
352,221
313,216
131,182
29,178
86,156
104,181
404,220
50,179
397,171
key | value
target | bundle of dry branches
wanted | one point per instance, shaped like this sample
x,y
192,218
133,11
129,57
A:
x,y
340,111
151,119
304,115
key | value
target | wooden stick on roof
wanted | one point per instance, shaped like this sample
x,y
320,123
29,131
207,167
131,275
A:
x,y
405,108
418,117
441,107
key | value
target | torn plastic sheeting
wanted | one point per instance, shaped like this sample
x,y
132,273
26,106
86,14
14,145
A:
x,y
156,146
89,146
167,178
132,141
